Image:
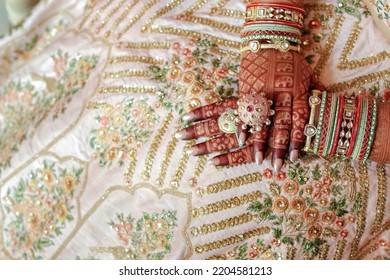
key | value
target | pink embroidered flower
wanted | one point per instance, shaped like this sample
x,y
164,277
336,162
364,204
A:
x,y
253,254
176,46
267,173
382,242
307,43
186,51
344,233
221,72
314,24
281,176
60,65
104,121
340,222
352,218
327,181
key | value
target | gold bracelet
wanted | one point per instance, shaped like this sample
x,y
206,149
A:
x,y
310,128
283,46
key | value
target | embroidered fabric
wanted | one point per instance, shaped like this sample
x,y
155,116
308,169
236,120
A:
x,y
91,96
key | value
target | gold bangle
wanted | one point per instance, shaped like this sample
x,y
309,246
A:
x,y
283,46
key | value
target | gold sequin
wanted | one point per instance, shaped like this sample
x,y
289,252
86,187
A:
x,y
128,89
162,172
382,195
181,166
199,249
233,183
155,145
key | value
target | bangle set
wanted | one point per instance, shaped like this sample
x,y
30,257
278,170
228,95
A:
x,y
346,125
278,23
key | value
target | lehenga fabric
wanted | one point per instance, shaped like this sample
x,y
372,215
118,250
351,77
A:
x,y
91,95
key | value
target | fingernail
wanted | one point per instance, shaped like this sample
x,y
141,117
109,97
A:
x,y
259,158
241,139
278,164
178,135
187,117
189,151
294,155
241,143
213,161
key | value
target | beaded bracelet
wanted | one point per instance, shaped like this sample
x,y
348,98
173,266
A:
x,y
368,129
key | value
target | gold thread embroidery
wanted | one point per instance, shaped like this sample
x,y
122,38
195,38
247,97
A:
x,y
359,81
226,204
154,147
89,10
349,172
128,89
127,73
109,16
382,194
339,249
151,27
144,45
137,17
344,62
99,12
162,173
329,45
323,252
361,221
135,58
291,253
131,190
233,183
125,13
199,167
199,249
223,224
175,182
131,167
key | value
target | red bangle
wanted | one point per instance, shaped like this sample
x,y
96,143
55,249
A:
x,y
338,126
277,5
269,32
325,123
355,127
292,24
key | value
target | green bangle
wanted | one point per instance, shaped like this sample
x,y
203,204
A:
x,y
320,121
332,123
272,27
361,128
270,37
372,131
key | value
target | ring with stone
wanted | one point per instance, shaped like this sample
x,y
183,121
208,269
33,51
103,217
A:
x,y
254,110
227,122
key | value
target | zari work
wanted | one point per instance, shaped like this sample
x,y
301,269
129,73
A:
x,y
91,95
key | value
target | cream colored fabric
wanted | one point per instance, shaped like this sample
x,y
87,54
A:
x,y
91,96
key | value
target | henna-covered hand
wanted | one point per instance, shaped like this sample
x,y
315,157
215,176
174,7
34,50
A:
x,y
285,78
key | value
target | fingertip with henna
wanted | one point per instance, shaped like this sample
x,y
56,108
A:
x,y
294,154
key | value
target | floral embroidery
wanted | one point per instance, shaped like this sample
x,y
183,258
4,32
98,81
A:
x,y
307,211
71,76
148,237
383,9
252,251
38,208
123,127
22,105
195,76
38,42
352,7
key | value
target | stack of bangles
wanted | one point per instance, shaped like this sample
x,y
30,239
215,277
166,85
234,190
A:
x,y
341,126
272,26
